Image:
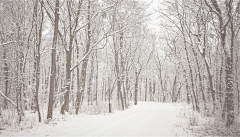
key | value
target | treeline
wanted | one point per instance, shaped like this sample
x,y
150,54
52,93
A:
x,y
202,40
65,54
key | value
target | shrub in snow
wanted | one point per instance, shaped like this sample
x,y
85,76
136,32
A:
x,y
209,124
10,120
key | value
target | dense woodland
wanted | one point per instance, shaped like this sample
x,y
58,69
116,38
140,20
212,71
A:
x,y
73,55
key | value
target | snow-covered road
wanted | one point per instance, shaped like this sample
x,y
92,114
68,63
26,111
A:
x,y
145,119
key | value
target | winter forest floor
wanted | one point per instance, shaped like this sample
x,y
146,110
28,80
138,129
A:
x,y
144,119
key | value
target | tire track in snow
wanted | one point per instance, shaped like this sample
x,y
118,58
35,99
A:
x,y
135,130
115,126
106,122
126,127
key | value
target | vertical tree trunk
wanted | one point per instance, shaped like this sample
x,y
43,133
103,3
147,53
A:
x,y
85,62
140,94
109,96
125,95
127,88
120,93
229,79
38,62
174,88
96,95
136,87
211,85
229,93
53,68
154,89
6,76
146,90
65,106
89,91
19,74
150,90
78,76
229,97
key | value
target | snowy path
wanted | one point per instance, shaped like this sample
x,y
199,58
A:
x,y
145,119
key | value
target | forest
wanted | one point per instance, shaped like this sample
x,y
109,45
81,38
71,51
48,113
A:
x,y
103,56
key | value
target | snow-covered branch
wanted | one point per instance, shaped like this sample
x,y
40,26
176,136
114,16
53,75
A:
x,y
8,99
95,45
3,44
107,8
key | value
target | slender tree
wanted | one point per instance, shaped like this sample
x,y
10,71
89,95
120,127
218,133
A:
x,y
53,65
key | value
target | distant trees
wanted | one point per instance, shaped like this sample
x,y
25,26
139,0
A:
x,y
104,52
207,31
103,35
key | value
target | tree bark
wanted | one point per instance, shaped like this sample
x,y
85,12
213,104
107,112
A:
x,y
53,68
136,88
146,90
6,76
90,81
85,62
38,58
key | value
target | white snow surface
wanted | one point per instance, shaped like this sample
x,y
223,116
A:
x,y
144,119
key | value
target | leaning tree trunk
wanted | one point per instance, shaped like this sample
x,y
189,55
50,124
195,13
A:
x,y
190,71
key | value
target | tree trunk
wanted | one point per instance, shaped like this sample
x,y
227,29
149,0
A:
x,y
150,90
85,63
146,90
109,96
65,106
125,95
38,62
136,87
90,80
229,93
6,76
120,93
191,76
53,68
96,96
229,81
154,89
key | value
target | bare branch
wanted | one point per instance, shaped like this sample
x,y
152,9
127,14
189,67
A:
x,y
8,99
3,44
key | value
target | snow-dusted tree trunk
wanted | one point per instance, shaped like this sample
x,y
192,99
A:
x,y
85,62
53,65
38,55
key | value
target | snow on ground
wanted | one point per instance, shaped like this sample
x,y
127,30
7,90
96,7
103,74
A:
x,y
144,119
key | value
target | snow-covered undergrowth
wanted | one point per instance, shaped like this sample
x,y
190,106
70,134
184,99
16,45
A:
x,y
9,119
200,125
